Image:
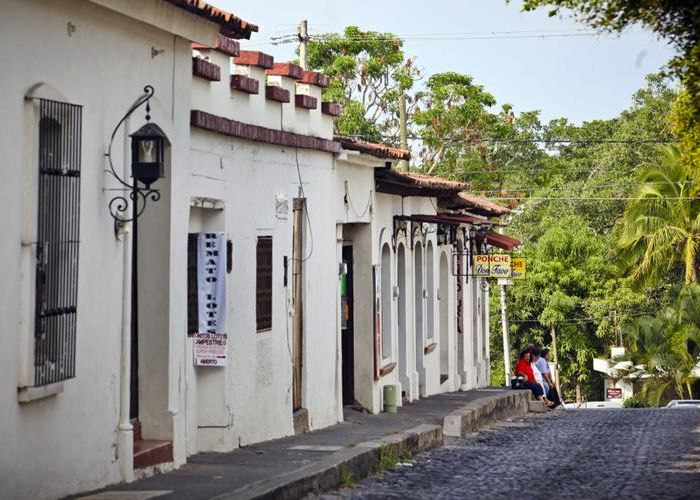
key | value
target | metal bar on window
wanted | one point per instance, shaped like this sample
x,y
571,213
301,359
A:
x,y
58,224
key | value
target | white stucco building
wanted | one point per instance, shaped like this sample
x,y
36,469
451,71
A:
x,y
340,275
72,71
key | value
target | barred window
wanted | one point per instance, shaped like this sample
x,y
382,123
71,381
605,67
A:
x,y
57,242
263,284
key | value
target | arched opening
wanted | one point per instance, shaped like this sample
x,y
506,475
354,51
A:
x,y
430,287
401,318
443,318
418,313
386,302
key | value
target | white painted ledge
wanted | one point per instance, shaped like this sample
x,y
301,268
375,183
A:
x,y
29,394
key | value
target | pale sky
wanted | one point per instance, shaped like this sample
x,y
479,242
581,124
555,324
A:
x,y
582,78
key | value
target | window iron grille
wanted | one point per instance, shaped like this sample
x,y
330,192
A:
x,y
263,286
57,244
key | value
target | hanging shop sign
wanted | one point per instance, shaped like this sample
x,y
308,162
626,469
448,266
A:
x,y
481,266
517,265
499,265
210,341
492,266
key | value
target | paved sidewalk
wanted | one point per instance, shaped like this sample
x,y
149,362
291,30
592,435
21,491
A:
x,y
294,466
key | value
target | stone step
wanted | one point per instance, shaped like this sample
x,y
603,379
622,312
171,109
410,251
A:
x,y
149,452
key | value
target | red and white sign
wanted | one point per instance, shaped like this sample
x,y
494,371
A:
x,y
613,393
210,349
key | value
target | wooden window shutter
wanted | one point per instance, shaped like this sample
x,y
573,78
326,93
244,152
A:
x,y
263,286
192,297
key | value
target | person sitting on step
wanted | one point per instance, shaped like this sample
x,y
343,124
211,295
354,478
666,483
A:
x,y
524,369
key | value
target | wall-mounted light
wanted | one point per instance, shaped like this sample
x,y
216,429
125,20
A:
x,y
147,160
147,152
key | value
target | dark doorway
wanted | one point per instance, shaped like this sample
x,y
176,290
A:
x,y
346,326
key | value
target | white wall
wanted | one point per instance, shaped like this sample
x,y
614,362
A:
x,y
247,177
102,65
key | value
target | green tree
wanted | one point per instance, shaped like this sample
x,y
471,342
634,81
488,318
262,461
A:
x,y
663,225
466,138
570,270
668,344
368,72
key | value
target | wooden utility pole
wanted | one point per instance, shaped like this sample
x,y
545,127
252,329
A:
x,y
297,283
403,133
303,41
556,363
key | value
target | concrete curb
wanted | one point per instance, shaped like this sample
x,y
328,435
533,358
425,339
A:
x,y
364,459
484,411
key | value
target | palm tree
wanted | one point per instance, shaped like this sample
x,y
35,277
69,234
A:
x,y
662,225
668,344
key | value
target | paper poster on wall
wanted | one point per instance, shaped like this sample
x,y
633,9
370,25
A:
x,y
210,341
210,349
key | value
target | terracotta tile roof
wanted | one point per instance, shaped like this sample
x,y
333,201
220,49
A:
x,y
411,184
476,204
378,150
230,25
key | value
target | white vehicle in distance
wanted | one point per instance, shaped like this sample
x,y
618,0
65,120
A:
x,y
684,403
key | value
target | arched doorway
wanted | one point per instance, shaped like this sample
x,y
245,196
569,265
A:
x,y
443,319
418,314
401,319
386,302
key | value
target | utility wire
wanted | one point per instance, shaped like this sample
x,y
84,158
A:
x,y
595,198
287,38
587,186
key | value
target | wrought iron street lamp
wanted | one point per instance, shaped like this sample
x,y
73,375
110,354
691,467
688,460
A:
x,y
147,161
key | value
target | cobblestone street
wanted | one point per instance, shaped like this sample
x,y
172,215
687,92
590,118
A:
x,y
636,453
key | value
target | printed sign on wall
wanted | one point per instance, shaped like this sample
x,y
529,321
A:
x,y
210,341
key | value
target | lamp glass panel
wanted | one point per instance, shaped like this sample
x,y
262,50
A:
x,y
147,151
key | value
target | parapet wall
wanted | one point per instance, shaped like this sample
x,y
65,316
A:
x,y
250,88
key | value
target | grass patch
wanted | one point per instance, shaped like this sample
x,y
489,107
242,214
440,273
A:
x,y
347,478
387,460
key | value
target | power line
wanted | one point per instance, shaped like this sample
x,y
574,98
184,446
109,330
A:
x,y
530,141
550,141
446,36
594,198
599,186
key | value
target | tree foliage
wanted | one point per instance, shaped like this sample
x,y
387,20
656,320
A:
x,y
367,72
576,281
668,345
662,226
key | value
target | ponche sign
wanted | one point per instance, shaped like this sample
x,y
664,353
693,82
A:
x,y
492,266
517,268
481,266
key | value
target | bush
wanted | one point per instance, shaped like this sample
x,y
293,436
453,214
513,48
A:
x,y
635,402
